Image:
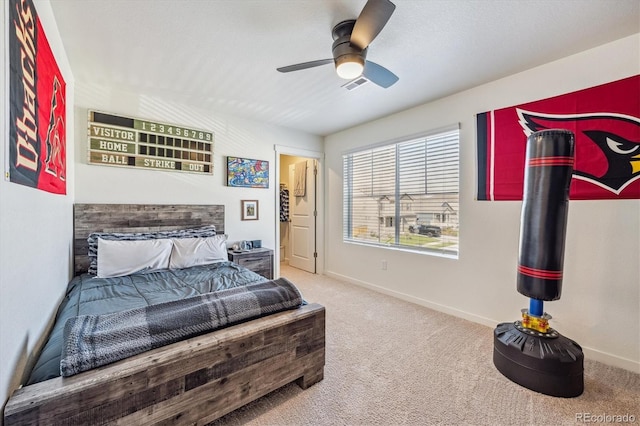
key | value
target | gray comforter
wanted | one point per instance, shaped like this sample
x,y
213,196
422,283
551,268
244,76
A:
x,y
88,295
91,341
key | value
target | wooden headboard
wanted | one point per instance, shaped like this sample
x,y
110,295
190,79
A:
x,y
88,218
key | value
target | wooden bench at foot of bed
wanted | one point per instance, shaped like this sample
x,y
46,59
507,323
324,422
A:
x,y
194,381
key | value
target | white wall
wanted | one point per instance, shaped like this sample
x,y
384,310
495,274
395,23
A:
x,y
233,137
600,303
35,233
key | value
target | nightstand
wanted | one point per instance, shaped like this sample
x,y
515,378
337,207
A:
x,y
259,260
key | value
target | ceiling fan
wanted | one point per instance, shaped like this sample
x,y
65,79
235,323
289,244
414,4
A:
x,y
351,40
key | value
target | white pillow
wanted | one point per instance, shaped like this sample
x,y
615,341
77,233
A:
x,y
121,257
198,251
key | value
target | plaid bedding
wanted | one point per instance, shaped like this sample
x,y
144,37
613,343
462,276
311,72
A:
x,y
88,295
94,340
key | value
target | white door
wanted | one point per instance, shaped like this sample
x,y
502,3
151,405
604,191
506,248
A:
x,y
302,213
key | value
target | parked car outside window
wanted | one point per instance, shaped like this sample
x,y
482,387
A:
x,y
428,230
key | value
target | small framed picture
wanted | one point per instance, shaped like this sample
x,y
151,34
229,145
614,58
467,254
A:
x,y
249,209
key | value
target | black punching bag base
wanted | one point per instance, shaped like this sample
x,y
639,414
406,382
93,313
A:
x,y
548,363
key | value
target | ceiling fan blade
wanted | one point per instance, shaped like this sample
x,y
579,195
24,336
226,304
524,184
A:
x,y
379,75
305,65
372,19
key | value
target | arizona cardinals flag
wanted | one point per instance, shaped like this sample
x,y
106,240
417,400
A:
x,y
37,154
606,122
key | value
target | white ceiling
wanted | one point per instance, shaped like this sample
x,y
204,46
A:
x,y
222,55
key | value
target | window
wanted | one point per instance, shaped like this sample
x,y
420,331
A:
x,y
404,194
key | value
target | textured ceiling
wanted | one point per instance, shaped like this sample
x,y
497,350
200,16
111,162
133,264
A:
x,y
222,55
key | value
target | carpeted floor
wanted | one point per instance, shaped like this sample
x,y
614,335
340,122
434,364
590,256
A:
x,y
391,362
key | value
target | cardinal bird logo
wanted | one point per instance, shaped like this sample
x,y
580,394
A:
x,y
607,150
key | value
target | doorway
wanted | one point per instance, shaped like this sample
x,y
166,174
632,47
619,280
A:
x,y
298,211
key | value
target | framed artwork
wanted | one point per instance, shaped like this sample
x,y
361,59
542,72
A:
x,y
244,172
249,209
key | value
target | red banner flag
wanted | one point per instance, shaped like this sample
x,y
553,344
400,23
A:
x,y
37,150
606,122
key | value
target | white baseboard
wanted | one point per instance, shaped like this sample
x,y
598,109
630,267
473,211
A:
x,y
610,359
591,354
422,302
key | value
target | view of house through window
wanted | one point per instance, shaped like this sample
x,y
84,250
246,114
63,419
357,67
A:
x,y
404,194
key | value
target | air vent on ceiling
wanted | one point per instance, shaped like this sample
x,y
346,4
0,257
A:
x,y
354,84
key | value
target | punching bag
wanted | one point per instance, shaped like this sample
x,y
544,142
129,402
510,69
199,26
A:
x,y
545,204
529,352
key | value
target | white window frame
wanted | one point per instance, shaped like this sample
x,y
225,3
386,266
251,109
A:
x,y
449,247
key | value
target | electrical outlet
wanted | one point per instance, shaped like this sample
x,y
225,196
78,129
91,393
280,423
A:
x,y
384,265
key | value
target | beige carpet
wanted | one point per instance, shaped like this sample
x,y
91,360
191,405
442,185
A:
x,y
390,362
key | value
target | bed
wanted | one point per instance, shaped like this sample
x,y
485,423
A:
x,y
192,381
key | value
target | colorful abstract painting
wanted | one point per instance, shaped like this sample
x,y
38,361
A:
x,y
243,172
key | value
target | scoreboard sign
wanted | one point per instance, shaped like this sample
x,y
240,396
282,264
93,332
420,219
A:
x,y
129,142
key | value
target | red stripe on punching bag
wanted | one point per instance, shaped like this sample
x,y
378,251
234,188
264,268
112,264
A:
x,y
540,273
551,161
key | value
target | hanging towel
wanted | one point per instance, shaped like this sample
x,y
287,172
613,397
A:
x,y
300,179
284,205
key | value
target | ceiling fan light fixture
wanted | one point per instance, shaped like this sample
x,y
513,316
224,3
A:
x,y
349,66
351,40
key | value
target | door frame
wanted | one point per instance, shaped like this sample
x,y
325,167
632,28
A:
x,y
319,157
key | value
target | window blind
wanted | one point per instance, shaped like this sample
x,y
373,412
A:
x,y
404,194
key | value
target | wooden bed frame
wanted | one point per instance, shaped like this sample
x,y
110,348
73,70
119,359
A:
x,y
194,381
